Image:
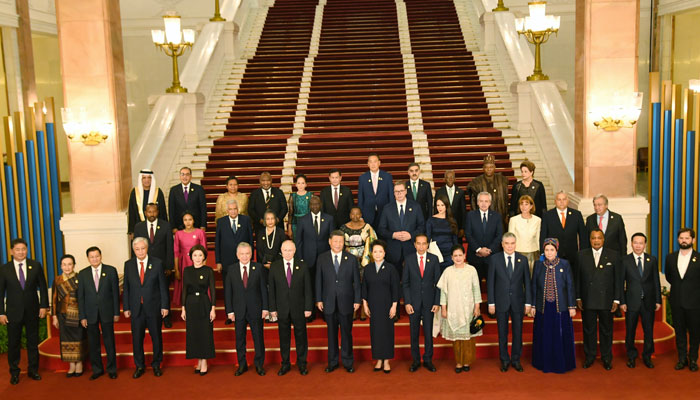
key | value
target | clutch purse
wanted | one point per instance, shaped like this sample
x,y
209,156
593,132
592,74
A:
x,y
476,325
434,249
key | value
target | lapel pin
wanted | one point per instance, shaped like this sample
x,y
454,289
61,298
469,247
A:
x,y
103,274
149,267
340,194
191,189
201,277
323,220
569,212
194,236
157,226
694,259
369,180
238,225
494,190
380,178
297,267
428,260
30,267
382,267
272,196
611,217
76,281
253,268
561,269
410,209
517,260
345,258
648,259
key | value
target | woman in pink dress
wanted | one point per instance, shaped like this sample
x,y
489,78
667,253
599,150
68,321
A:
x,y
184,240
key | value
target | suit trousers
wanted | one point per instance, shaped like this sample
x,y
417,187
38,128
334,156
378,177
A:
x,y
284,324
631,319
686,322
333,321
139,323
517,327
14,339
256,329
603,321
93,332
426,316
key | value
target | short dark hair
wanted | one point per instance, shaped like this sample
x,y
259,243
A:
x,y
413,164
67,256
231,178
91,249
187,168
17,241
152,205
334,170
639,234
337,232
186,212
596,230
198,247
457,247
419,235
296,178
375,155
378,242
689,230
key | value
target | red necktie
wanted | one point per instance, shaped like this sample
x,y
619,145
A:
x,y
142,272
152,235
600,222
245,277
422,266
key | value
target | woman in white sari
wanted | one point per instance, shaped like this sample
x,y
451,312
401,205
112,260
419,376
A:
x,y
459,299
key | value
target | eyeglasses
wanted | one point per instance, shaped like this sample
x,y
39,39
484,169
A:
x,y
399,191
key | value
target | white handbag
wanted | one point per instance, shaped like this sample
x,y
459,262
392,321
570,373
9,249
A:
x,y
434,249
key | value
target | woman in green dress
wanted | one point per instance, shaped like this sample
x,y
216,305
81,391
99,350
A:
x,y
298,204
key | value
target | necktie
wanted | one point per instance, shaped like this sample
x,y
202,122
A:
x,y
142,272
375,183
233,225
245,277
152,234
97,280
335,198
415,191
401,213
289,275
21,276
336,264
422,266
600,222
596,256
483,221
641,271
316,227
510,266
186,193
563,219
267,197
451,194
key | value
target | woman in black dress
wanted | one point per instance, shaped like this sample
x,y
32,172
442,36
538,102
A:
x,y
380,295
198,302
269,245
442,229
528,186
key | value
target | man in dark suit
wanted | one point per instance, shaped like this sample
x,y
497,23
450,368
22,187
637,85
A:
x,y
231,230
291,302
266,197
374,191
508,296
187,196
401,220
338,297
160,245
419,190
145,301
98,304
422,299
566,225
641,298
598,294
336,199
246,305
612,225
20,280
483,229
683,273
456,196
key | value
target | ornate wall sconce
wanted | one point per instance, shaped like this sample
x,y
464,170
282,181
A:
x,y
79,128
173,41
624,113
537,27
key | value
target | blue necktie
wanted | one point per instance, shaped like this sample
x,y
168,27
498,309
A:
x,y
401,214
641,271
510,267
483,221
336,264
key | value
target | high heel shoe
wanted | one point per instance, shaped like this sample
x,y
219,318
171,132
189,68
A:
x,y
202,373
196,371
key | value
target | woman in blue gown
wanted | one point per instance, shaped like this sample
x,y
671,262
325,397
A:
x,y
553,295
442,228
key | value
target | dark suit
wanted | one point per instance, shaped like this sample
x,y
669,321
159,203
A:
x,y
196,204
341,215
309,243
598,286
99,307
247,304
22,310
569,237
290,302
641,295
135,217
370,203
459,204
422,294
477,236
338,292
227,242
424,197
685,304
145,300
413,223
257,206
509,290
162,245
615,233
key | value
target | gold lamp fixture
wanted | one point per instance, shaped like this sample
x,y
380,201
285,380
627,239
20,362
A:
x,y
500,7
79,128
623,112
537,27
173,41
217,13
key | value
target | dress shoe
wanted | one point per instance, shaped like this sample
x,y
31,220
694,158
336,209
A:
x,y
693,366
283,370
377,369
260,371
350,369
504,366
95,376
465,368
196,371
36,377
112,375
588,363
648,363
202,373
680,365
429,366
458,370
167,322
70,374
14,379
157,371
414,366
517,366
139,372
303,371
228,321
241,370
331,368
77,374
387,371
607,365
631,363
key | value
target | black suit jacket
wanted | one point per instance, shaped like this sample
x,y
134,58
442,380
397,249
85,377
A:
x,y
506,292
459,204
309,243
421,292
257,207
569,237
21,302
598,286
227,241
152,295
615,234
634,284
343,288
196,204
162,246
290,301
476,237
424,198
103,303
341,215
247,301
135,217
685,293
390,222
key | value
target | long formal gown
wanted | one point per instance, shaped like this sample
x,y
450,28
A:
x,y
182,244
439,230
65,307
357,243
198,295
381,288
301,208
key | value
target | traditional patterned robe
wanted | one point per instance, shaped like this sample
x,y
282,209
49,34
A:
x,y
497,186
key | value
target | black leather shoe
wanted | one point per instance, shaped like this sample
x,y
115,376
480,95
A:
x,y
202,373
139,372
648,363
112,375
607,365
167,322
95,376
377,369
631,363
330,368
429,366
680,365
588,363
283,370
196,371
387,371
618,313
693,366
78,374
517,366
303,371
504,366
465,368
458,370
36,377
70,374
350,369
241,370
157,371
414,366
14,379
260,371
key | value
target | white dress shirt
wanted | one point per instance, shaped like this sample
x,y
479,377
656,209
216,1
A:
x,y
24,268
398,207
683,262
233,222
247,267
606,218
450,193
314,217
559,213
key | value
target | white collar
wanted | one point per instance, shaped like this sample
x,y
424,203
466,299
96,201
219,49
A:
x,y
506,255
418,256
335,187
599,251
416,181
184,187
399,204
605,215
232,219
318,214
245,265
145,260
636,256
561,211
24,262
288,261
334,255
